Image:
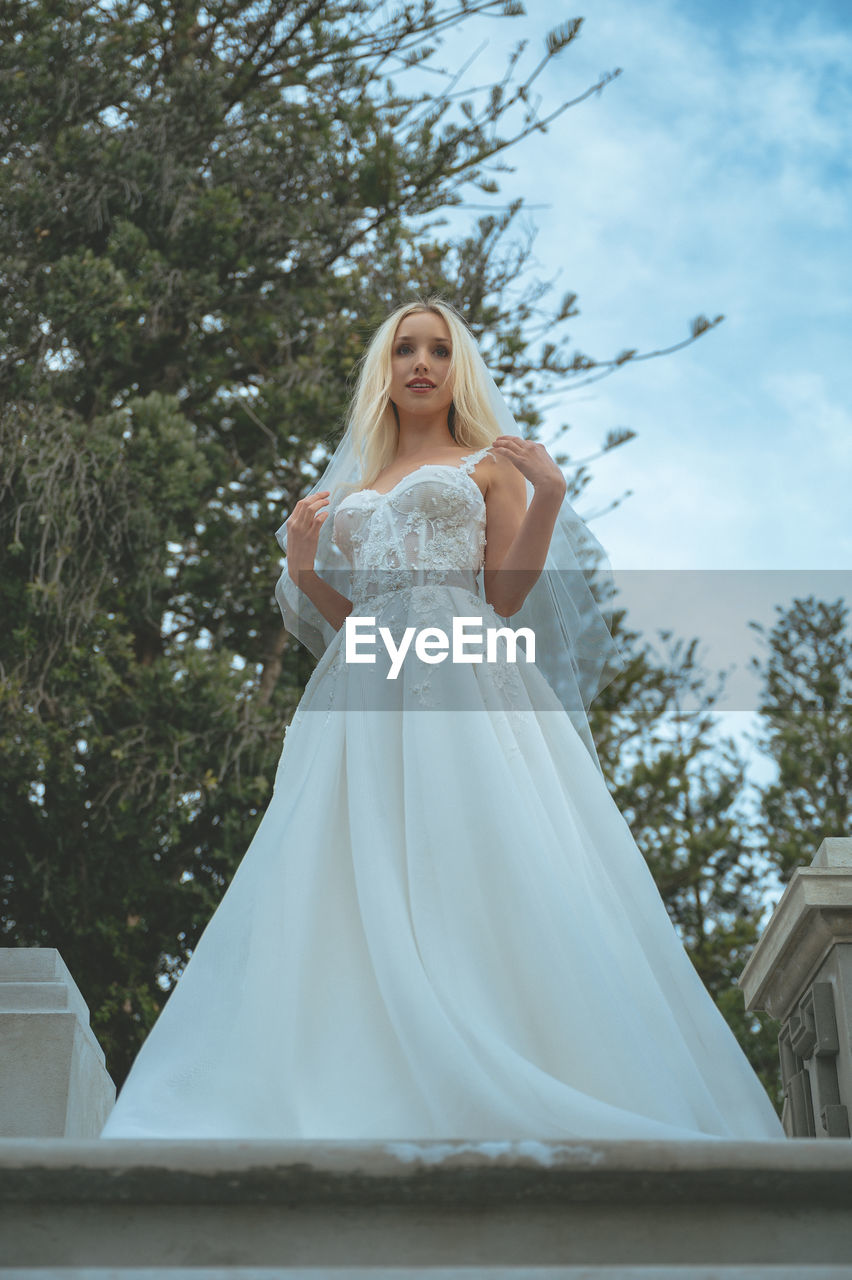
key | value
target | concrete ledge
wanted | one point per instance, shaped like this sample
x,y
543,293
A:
x,y
813,916
426,1205
622,1271
53,1078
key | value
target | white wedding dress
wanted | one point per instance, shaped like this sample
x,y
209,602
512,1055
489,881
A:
x,y
443,927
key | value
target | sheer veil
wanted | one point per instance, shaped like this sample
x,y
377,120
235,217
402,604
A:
x,y
568,608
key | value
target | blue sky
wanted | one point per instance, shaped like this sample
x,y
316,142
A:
x,y
712,176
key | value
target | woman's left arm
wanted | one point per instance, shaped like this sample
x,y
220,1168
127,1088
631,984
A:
x,y
517,537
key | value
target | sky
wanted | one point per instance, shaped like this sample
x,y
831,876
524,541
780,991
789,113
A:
x,y
712,176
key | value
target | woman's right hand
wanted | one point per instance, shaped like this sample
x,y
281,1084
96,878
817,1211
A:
x,y
303,530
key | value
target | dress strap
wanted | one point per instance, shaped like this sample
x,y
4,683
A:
x,y
470,459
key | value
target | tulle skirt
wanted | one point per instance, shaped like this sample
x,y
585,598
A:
x,y
443,928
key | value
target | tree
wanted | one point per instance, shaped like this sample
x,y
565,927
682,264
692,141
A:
x,y
206,209
682,794
806,710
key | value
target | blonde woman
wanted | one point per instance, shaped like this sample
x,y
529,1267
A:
x,y
443,927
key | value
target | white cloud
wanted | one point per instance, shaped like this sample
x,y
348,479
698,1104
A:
x,y
711,176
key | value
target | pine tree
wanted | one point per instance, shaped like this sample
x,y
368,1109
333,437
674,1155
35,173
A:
x,y
682,792
806,710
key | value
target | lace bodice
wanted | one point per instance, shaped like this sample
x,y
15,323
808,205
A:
x,y
415,555
430,524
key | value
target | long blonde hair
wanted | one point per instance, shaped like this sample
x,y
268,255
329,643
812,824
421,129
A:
x,y
370,417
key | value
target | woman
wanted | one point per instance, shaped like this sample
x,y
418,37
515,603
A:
x,y
443,927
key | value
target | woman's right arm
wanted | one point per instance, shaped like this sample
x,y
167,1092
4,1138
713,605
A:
x,y
303,528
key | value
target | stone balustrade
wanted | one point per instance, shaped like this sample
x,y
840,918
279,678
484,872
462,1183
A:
x,y
474,1210
53,1078
801,973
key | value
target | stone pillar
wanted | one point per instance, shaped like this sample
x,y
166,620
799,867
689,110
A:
x,y
801,973
53,1078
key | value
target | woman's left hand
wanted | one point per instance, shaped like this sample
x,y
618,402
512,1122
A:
x,y
533,461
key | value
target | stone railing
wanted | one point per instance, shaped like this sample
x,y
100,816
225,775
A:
x,y
53,1078
801,973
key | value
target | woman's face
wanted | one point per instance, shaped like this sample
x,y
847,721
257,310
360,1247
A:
x,y
420,364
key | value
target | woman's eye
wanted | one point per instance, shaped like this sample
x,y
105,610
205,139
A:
x,y
404,347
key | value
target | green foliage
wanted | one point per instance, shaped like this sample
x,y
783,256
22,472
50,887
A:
x,y
683,796
806,708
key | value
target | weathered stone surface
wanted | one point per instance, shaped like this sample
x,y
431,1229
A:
x,y
801,973
813,916
835,851
53,1078
417,1204
433,1273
